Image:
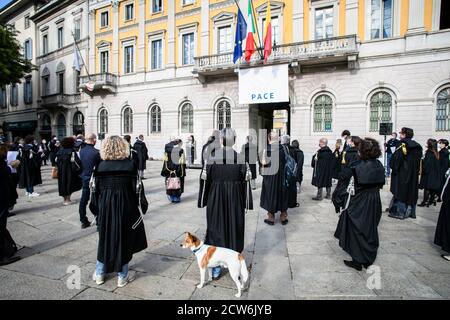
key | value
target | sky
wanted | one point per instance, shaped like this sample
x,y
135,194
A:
x,y
4,2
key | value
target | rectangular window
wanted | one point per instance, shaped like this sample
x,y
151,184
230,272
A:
x,y
61,83
129,12
188,48
157,6
14,99
324,23
225,40
104,61
28,92
45,86
276,36
60,37
156,54
77,29
27,21
104,19
28,54
381,19
2,98
45,44
128,59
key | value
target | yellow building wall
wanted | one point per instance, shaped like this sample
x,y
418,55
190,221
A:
x,y
97,20
428,14
148,10
151,29
122,22
342,5
186,21
124,36
404,11
361,16
212,14
306,20
97,56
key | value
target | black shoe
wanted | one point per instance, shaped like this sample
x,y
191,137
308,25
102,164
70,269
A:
x,y
285,222
269,222
328,196
10,214
143,178
5,261
422,204
317,198
86,224
353,264
366,266
391,215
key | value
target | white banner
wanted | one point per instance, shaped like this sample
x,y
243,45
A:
x,y
264,84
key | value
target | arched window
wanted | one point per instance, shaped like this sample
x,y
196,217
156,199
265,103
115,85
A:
x,y
323,113
187,118
443,110
61,126
127,120
155,119
103,121
380,110
78,123
223,114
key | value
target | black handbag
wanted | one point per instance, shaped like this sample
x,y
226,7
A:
x,y
93,203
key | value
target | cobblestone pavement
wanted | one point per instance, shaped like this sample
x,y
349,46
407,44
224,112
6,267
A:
x,y
299,261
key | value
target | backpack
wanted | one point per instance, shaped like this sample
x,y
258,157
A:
x,y
290,168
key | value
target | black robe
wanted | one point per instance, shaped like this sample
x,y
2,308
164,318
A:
x,y
52,149
357,229
444,164
117,212
29,169
340,192
227,195
208,153
174,167
142,154
322,162
298,156
405,165
337,163
250,152
274,193
69,172
442,234
8,196
430,178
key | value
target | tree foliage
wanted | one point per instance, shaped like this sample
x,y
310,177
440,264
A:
x,y
13,65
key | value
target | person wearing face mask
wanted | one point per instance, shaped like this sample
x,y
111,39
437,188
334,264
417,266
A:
x,y
322,162
405,166
444,163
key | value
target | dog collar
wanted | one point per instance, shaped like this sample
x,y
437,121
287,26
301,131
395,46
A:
x,y
196,250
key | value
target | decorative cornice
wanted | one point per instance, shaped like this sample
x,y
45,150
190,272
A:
x,y
44,29
188,13
59,21
103,43
104,33
223,16
129,27
156,20
77,12
222,5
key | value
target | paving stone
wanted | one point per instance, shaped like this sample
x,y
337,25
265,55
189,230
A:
x,y
440,283
154,264
95,294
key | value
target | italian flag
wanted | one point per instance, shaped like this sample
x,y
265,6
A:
x,y
250,43
268,33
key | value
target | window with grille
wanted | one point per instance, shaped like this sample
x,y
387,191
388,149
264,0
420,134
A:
x,y
323,113
155,119
223,114
380,110
127,120
187,118
103,121
443,110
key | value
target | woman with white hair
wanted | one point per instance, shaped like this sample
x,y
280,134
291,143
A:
x,y
227,196
120,233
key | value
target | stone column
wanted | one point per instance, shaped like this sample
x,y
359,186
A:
x,y
298,21
416,16
115,45
204,29
171,36
141,38
92,48
351,17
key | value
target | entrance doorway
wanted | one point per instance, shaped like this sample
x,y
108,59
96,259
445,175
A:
x,y
268,117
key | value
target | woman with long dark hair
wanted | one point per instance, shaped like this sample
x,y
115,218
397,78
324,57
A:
x,y
69,169
357,229
430,180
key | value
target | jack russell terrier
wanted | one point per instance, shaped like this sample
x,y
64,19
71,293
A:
x,y
209,257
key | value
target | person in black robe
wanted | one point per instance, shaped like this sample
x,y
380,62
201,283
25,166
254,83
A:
x,y
337,159
29,170
227,196
174,167
340,192
442,234
133,153
69,170
405,166
299,157
121,232
274,192
444,163
53,148
191,150
291,185
142,155
208,152
322,162
357,229
8,196
430,180
250,152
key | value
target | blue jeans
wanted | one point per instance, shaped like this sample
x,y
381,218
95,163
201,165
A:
x,y
85,195
401,209
388,161
29,189
99,270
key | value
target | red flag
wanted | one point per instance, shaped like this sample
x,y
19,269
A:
x,y
268,38
250,44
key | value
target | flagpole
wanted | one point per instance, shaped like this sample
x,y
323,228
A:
x,y
261,47
81,56
239,8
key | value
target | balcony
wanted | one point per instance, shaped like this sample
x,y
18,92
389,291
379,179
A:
x,y
331,50
99,84
59,100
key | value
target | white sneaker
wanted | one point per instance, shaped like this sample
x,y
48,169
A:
x,y
34,194
122,282
99,280
27,193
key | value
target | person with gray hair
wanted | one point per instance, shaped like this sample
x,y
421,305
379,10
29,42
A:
x,y
274,193
227,196
322,162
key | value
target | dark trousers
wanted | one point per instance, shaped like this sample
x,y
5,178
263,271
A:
x,y
3,217
85,195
